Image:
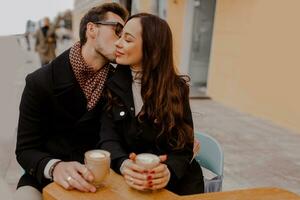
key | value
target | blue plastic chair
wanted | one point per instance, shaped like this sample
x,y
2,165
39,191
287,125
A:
x,y
212,158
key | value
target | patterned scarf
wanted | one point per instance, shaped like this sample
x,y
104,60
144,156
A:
x,y
91,82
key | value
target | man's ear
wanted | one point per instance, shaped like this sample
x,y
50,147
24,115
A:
x,y
91,30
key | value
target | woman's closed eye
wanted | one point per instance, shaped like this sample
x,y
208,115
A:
x,y
128,38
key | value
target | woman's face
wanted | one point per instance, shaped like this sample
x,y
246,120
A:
x,y
129,46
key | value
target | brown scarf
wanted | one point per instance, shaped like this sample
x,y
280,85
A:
x,y
91,82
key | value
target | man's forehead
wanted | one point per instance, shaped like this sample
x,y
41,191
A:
x,y
112,17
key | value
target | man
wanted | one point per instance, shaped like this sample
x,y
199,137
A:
x,y
45,43
61,106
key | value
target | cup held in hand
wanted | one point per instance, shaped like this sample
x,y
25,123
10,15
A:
x,y
147,160
98,162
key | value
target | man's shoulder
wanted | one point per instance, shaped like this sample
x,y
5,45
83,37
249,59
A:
x,y
39,73
45,73
62,59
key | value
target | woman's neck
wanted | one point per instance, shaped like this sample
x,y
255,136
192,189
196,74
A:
x,y
136,73
136,68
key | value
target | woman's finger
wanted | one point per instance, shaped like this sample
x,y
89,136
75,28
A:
x,y
136,181
132,184
158,183
158,175
161,182
132,156
133,166
159,169
163,158
134,174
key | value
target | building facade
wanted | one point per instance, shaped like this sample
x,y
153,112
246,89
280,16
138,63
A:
x,y
243,53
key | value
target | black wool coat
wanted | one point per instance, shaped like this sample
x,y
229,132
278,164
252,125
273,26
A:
x,y
122,134
54,121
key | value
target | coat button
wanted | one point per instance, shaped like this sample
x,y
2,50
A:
x,y
122,113
131,108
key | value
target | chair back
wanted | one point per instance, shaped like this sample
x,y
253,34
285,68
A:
x,y
211,154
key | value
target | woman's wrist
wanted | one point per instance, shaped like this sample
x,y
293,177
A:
x,y
123,165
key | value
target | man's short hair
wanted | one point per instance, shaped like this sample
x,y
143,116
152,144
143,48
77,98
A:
x,y
98,14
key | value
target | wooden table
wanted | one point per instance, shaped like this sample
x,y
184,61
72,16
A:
x,y
115,188
267,193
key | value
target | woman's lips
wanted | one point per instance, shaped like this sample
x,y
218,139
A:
x,y
118,53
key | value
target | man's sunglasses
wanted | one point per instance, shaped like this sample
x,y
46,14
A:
x,y
118,26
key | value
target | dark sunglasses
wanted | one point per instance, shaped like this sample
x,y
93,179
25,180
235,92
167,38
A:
x,y
118,26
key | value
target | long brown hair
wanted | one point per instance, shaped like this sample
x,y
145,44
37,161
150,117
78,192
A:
x,y
163,91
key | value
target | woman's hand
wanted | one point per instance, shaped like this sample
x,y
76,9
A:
x,y
159,176
141,179
135,175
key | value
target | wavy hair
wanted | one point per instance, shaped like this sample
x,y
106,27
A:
x,y
164,92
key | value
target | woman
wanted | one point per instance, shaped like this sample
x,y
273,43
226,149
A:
x,y
148,111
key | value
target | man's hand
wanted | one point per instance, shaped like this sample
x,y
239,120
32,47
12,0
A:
x,y
73,175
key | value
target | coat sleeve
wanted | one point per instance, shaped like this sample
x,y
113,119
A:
x,y
179,160
30,139
111,141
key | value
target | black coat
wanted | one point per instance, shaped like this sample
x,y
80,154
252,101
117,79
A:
x,y
54,121
121,134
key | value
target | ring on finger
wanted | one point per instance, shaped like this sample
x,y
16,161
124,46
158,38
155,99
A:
x,y
69,178
131,179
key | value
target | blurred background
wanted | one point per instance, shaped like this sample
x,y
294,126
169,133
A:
x,y
243,60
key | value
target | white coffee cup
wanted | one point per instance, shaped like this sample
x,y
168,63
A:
x,y
147,160
98,162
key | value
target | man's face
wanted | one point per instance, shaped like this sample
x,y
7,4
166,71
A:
x,y
105,37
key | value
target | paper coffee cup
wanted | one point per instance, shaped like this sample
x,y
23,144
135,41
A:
x,y
98,162
147,160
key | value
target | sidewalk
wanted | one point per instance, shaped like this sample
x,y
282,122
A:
x,y
257,152
16,63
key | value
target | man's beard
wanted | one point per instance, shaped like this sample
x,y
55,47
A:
x,y
111,60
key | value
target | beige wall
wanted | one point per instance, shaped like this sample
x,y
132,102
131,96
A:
x,y
144,6
80,9
255,60
175,18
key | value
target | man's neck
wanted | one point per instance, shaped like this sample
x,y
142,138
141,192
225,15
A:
x,y
92,58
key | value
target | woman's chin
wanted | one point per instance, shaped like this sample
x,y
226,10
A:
x,y
121,62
